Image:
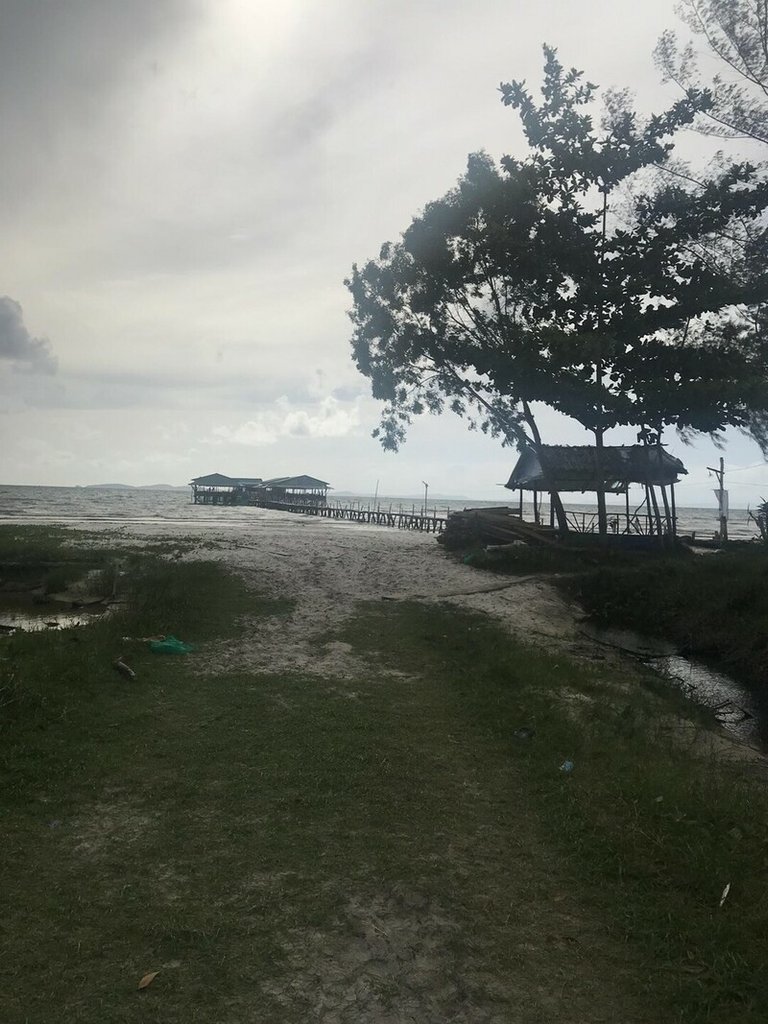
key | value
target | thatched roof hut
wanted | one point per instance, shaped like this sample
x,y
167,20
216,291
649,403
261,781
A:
x,y
575,468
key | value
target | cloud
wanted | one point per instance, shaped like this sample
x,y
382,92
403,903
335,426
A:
x,y
17,344
328,419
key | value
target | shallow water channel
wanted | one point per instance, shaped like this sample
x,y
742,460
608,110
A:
x,y
736,708
12,619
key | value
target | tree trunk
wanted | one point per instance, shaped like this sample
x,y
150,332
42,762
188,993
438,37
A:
x,y
602,516
554,497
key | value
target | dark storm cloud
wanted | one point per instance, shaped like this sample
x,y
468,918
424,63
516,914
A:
x,y
17,344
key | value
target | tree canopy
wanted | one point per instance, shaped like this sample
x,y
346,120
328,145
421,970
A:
x,y
520,286
734,101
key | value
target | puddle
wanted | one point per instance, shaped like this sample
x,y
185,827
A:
x,y
31,609
737,709
46,620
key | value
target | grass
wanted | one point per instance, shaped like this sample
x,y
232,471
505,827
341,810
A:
x,y
514,559
288,848
654,829
252,836
111,795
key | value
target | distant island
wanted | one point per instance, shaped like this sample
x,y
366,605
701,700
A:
x,y
134,487
405,497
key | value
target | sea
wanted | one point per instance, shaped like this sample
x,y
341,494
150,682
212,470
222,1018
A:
x,y
82,505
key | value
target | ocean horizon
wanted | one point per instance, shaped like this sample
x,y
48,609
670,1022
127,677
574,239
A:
x,y
26,503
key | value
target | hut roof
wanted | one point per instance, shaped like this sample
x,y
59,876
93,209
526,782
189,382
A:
x,y
574,468
307,483
214,480
247,481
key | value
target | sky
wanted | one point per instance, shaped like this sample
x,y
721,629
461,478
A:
x,y
187,183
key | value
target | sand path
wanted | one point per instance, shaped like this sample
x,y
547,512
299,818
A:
x,y
328,568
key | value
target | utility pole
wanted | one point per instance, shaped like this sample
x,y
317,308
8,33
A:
x,y
722,499
426,492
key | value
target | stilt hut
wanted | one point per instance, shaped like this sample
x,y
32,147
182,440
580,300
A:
x,y
580,468
217,489
213,489
295,490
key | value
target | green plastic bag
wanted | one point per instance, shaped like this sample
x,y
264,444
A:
x,y
170,645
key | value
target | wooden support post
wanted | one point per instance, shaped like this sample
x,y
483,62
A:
x,y
667,513
648,515
655,504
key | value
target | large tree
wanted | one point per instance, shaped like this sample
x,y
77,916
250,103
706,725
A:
x,y
518,286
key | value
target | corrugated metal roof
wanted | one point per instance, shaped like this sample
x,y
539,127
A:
x,y
214,480
299,482
574,467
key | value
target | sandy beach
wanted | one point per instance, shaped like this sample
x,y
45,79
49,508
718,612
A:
x,y
329,567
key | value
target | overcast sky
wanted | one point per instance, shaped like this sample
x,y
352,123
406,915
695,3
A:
x,y
186,183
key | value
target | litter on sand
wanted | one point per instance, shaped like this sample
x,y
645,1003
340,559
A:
x,y
170,645
123,669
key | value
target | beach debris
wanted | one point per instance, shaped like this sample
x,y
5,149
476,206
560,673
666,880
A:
x,y
52,624
123,669
170,645
567,767
147,980
524,733
724,895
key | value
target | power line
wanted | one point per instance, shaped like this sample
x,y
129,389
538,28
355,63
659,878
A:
x,y
743,469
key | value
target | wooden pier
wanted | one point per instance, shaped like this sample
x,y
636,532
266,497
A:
x,y
425,523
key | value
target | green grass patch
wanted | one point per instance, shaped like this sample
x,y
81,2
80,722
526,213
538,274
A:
x,y
35,544
123,801
581,554
655,830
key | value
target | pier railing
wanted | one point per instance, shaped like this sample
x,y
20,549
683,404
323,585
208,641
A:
x,y
424,522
